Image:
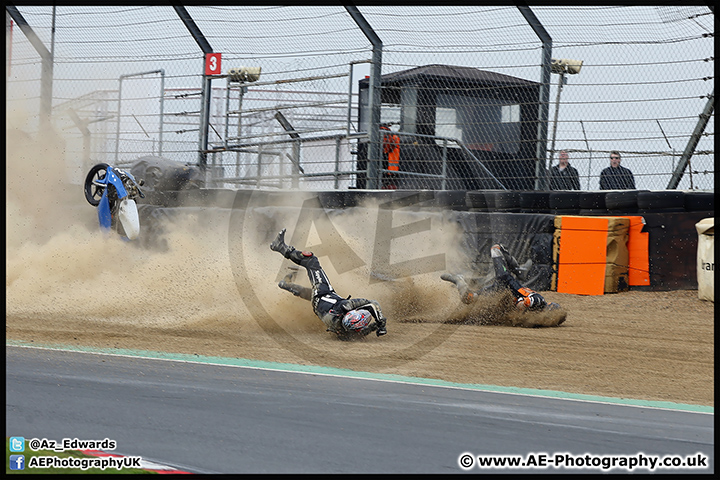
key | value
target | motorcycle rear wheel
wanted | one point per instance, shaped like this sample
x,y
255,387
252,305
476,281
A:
x,y
93,193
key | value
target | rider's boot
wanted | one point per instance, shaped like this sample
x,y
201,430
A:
x,y
524,269
449,277
290,277
278,245
290,287
512,263
297,290
466,296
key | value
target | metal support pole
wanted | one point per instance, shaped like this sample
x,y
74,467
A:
x,y
349,107
295,159
227,115
204,121
374,101
543,101
443,183
46,76
162,112
337,163
561,82
117,129
241,95
206,85
119,108
587,145
692,143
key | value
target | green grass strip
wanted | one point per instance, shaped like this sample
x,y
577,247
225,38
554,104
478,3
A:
x,y
321,370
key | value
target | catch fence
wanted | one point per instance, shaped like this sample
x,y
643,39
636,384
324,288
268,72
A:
x,y
472,97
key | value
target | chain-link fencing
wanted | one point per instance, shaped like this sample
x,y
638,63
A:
x,y
470,97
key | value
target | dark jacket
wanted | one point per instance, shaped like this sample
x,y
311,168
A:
x,y
619,178
333,318
566,179
327,304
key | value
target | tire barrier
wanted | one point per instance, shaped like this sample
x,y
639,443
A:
x,y
565,202
535,202
594,258
482,200
665,201
452,199
523,220
700,202
592,203
508,201
624,201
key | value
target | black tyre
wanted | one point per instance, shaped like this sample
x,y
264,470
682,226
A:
x,y
482,200
93,193
662,201
452,199
535,201
507,201
152,177
565,200
625,200
700,201
592,200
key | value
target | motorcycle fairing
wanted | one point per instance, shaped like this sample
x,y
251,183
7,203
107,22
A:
x,y
128,217
112,178
104,213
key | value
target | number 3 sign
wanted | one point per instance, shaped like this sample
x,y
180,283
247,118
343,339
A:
x,y
212,63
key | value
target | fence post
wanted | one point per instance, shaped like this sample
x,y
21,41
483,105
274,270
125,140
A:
x,y
544,100
374,102
692,143
206,84
46,76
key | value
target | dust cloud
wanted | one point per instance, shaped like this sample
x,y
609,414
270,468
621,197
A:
x,y
347,233
59,265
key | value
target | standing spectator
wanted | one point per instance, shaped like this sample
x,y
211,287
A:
x,y
391,154
563,176
616,177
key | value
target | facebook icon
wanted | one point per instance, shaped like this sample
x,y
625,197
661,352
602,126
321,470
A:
x,y
17,462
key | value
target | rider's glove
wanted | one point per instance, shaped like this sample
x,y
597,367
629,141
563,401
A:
x,y
534,301
381,330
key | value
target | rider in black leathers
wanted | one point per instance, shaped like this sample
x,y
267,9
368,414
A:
x,y
336,312
506,269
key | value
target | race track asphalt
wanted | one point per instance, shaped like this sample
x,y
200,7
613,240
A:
x,y
213,418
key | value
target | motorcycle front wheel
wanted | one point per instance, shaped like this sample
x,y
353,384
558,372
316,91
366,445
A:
x,y
93,193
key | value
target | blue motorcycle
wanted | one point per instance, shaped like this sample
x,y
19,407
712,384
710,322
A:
x,y
113,191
